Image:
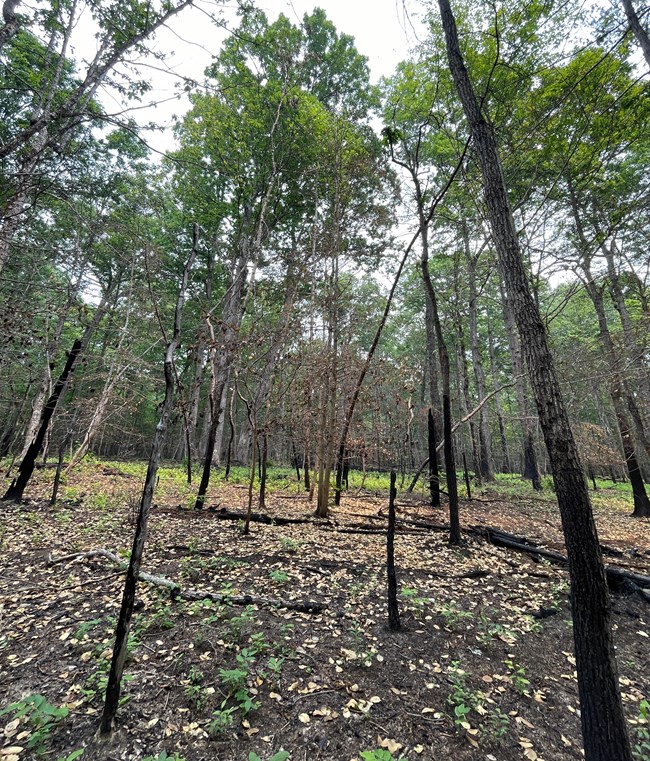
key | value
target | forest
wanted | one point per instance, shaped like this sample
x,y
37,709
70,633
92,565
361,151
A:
x,y
325,433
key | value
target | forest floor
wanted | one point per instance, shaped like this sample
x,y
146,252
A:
x,y
483,668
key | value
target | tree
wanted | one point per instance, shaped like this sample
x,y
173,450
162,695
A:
x,y
603,723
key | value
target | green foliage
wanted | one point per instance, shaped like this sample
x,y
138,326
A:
x,y
453,615
42,717
221,721
517,676
641,733
288,544
378,754
281,755
73,755
164,756
278,576
412,595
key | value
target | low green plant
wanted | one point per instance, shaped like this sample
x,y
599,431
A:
x,y
517,676
288,544
453,615
164,756
489,630
496,724
72,756
412,595
222,720
641,736
42,717
238,624
278,576
194,690
85,627
281,755
379,754
461,698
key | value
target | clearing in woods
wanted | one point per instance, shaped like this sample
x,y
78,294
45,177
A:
x,y
483,668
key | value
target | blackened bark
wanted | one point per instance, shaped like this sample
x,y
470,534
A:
x,y
434,477
57,476
603,722
468,484
15,491
264,449
448,448
393,609
118,659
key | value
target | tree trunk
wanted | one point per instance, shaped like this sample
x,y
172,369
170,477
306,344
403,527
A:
x,y
505,454
638,31
530,466
393,609
485,466
15,491
448,449
222,356
118,660
603,722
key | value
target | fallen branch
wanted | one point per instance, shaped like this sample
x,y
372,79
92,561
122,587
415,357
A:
x,y
177,592
224,514
616,577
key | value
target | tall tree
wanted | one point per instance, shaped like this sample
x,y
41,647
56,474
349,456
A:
x,y
603,722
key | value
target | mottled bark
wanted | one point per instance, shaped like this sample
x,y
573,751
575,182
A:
x,y
603,722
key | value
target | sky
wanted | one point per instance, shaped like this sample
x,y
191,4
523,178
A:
x,y
384,32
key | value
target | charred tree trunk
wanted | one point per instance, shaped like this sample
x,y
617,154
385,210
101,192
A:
x,y
15,491
603,722
448,448
118,660
485,465
393,609
434,476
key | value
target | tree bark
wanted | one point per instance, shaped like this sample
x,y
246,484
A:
x,y
15,492
637,29
393,609
118,660
603,722
485,449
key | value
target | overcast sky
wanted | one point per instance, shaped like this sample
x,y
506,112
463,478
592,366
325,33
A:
x,y
384,32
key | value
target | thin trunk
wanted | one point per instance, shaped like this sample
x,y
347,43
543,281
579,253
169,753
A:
x,y
448,449
15,492
485,465
263,470
120,649
505,454
635,352
603,722
393,609
530,465
434,476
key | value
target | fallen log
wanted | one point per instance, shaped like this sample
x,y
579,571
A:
x,y
223,514
616,577
176,592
